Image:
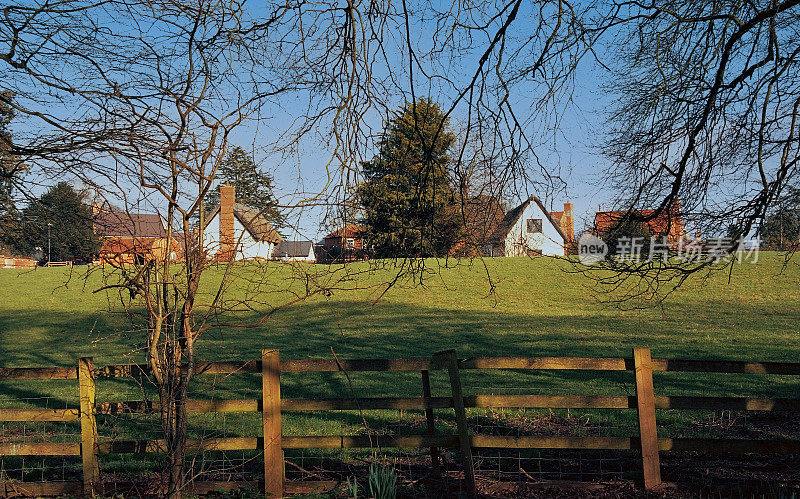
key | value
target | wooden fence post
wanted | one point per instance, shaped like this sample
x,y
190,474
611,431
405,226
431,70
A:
x,y
426,393
645,403
86,388
449,360
271,419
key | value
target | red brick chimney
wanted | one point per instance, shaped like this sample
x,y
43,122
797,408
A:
x,y
676,229
568,222
227,238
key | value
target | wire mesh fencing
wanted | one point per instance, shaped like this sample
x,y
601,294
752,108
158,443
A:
x,y
39,468
335,420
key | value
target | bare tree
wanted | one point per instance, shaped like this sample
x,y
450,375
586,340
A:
x,y
140,98
705,125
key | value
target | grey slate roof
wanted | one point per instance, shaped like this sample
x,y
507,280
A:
x,y
252,220
293,249
512,217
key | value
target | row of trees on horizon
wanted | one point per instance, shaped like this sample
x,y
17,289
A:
x,y
408,203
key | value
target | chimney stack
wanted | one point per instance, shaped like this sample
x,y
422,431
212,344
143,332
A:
x,y
676,229
227,238
568,222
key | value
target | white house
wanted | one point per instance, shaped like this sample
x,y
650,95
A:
x,y
530,229
238,228
295,251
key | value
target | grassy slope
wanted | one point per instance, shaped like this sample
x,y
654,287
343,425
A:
x,y
539,311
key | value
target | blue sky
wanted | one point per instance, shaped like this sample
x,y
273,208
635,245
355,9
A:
x,y
575,156
571,152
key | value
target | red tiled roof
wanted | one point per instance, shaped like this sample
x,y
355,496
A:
x,y
350,230
664,224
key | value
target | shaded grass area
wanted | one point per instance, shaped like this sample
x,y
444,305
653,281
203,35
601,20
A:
x,y
539,309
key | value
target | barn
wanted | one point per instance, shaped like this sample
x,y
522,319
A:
x,y
127,237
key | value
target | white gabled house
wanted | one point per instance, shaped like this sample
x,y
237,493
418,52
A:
x,y
530,229
237,231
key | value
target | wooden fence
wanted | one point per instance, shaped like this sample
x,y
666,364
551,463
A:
x,y
272,405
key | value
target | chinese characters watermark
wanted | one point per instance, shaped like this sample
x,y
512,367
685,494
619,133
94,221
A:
x,y
592,250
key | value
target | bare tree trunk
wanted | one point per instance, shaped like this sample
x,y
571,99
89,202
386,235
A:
x,y
174,427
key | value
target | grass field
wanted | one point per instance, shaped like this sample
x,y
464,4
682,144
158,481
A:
x,y
49,317
538,310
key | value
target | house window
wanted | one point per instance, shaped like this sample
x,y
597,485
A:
x,y
350,243
534,225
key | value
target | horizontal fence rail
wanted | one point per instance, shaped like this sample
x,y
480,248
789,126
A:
x,y
414,441
400,365
421,403
33,415
38,373
88,446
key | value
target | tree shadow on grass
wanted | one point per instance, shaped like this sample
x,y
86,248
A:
x,y
356,329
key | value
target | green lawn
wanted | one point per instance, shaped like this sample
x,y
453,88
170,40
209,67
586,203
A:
x,y
538,310
46,319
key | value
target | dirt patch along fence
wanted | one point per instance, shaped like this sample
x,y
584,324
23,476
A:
x,y
272,442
